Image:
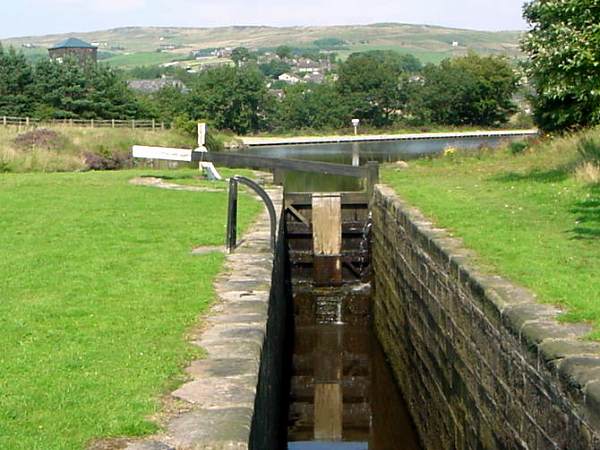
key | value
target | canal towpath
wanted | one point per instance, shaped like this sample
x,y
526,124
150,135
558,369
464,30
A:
x,y
257,141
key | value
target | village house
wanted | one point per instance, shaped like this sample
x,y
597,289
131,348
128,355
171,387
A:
x,y
314,77
75,48
153,86
289,78
305,65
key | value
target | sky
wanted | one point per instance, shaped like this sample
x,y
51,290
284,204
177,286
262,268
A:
x,y
39,17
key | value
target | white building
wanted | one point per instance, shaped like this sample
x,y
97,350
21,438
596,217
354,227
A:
x,y
289,78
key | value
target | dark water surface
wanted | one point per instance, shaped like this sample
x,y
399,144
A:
x,y
359,153
335,348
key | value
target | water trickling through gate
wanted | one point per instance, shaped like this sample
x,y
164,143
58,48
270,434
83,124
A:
x,y
341,393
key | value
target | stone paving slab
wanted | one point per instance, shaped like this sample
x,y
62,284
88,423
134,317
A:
x,y
221,391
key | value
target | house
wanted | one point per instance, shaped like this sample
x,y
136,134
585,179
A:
x,y
307,66
75,48
153,86
223,52
289,78
315,77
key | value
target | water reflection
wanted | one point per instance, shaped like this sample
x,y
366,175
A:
x,y
359,153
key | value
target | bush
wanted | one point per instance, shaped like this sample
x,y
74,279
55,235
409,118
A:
x,y
107,160
517,147
185,125
523,121
40,138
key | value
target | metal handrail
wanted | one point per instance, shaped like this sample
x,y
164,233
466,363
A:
x,y
231,239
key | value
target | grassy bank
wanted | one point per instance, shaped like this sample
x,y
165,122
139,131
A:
x,y
64,148
533,217
98,289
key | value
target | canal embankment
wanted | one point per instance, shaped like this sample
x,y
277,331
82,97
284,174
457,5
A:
x,y
251,141
480,361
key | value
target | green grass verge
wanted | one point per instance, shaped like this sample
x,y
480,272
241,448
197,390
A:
x,y
98,289
527,217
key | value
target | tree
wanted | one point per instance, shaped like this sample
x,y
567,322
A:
x,y
68,90
374,85
231,98
316,106
404,62
274,68
471,90
564,49
240,55
166,105
109,95
16,84
284,52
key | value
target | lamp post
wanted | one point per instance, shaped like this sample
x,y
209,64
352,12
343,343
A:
x,y
355,123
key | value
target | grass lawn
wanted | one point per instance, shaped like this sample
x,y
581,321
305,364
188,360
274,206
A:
x,y
528,217
97,291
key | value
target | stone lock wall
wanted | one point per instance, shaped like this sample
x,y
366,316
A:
x,y
481,364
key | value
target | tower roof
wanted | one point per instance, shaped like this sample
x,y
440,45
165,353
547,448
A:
x,y
72,43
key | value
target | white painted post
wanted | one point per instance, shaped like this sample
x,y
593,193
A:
x,y
92,123
133,124
27,121
153,124
201,134
355,123
113,123
4,121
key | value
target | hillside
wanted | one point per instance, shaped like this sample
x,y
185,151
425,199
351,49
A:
x,y
429,43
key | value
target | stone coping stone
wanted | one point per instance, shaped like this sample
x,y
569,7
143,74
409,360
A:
x,y
561,347
220,394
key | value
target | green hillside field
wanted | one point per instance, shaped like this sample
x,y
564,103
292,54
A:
x,y
429,43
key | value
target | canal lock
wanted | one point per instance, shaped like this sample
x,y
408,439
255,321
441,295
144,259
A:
x,y
334,389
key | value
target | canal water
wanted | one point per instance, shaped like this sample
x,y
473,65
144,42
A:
x,y
359,153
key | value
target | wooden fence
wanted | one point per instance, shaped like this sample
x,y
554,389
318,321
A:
x,y
91,123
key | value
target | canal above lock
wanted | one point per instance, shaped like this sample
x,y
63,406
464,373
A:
x,y
359,153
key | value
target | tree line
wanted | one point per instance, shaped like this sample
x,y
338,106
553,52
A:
x,y
52,90
382,88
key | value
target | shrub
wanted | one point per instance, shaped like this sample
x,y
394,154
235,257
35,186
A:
x,y
523,121
517,147
40,138
107,160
